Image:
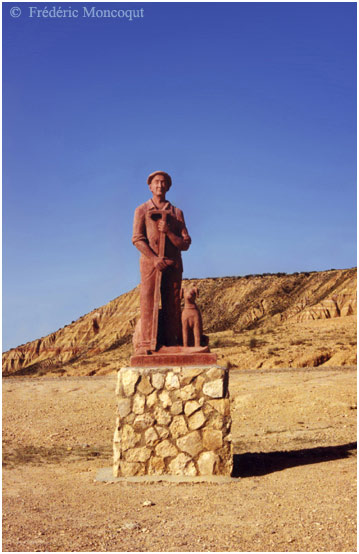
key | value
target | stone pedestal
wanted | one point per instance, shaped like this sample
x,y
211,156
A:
x,y
173,421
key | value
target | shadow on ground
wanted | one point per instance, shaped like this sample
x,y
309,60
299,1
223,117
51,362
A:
x,y
38,455
254,464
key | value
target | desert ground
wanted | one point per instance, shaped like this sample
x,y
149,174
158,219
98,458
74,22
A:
x,y
294,433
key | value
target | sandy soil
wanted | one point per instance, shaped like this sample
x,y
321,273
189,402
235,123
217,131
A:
x,y
295,456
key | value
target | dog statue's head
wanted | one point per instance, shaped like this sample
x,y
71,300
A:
x,y
189,294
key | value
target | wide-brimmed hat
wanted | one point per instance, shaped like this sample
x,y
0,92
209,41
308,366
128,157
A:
x,y
166,176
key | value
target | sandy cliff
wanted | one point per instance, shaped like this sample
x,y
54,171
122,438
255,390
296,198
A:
x,y
298,320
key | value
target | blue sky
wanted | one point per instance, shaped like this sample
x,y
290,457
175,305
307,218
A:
x,y
251,107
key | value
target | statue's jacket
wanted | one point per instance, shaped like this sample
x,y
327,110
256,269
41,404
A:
x,y
145,229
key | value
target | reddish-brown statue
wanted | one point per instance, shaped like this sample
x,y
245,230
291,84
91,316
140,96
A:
x,y
160,234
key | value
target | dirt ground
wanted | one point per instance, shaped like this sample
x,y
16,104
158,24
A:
x,y
294,435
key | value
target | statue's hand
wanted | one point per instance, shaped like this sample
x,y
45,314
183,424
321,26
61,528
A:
x,y
162,263
163,226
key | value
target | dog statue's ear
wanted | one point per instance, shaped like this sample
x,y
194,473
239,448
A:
x,y
196,289
181,293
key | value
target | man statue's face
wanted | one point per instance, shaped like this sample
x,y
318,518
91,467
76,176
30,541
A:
x,y
158,185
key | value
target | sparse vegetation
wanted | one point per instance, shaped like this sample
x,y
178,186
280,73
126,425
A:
x,y
253,343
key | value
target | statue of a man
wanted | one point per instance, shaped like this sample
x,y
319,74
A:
x,y
160,234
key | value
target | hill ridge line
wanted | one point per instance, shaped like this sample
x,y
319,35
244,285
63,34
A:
x,y
236,304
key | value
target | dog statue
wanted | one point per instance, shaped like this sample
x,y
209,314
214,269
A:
x,y
191,318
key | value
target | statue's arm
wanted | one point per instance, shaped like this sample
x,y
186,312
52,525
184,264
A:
x,y
139,237
185,236
143,247
181,242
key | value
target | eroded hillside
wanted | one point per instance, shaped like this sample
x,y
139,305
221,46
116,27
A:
x,y
298,320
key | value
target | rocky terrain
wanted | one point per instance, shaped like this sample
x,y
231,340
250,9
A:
x,y
256,321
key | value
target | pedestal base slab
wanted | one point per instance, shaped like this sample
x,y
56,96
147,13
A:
x,y
159,359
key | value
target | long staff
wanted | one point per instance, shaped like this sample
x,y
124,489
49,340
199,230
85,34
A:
x,y
157,291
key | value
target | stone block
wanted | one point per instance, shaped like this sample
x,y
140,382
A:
x,y
144,386
214,373
191,406
130,469
178,427
215,421
151,437
212,439
143,421
188,392
166,449
138,454
172,381
158,380
207,409
196,420
226,451
116,454
129,438
162,417
221,405
165,398
129,379
156,466
206,463
190,469
198,384
225,458
163,432
178,464
214,389
177,407
151,399
191,443
130,418
188,374
138,406
124,407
